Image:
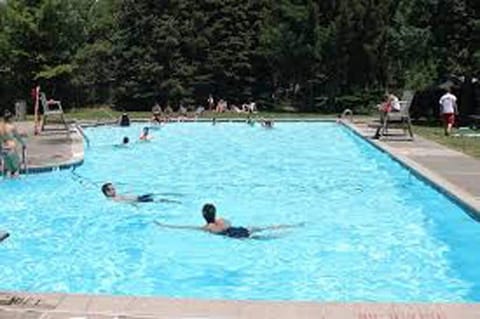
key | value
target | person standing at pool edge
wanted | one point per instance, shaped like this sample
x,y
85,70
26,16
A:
x,y
124,120
448,110
220,226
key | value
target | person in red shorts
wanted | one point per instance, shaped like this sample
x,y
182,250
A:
x,y
448,110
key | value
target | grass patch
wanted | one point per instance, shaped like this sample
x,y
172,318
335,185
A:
x,y
467,145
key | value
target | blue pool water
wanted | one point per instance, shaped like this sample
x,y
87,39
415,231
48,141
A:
x,y
373,231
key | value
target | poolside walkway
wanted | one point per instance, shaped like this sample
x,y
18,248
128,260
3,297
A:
x,y
62,306
454,172
51,149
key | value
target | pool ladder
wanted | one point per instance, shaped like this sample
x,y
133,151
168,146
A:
x,y
349,113
82,132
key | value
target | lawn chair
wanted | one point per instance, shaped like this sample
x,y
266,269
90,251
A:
x,y
399,119
52,108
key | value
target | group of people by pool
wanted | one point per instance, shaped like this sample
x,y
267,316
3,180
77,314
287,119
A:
x,y
157,120
213,224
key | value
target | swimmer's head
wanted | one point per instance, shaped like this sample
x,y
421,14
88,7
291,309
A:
x,y
126,140
145,130
108,190
208,212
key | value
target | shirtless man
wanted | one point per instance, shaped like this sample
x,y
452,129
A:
x,y
220,226
110,192
9,137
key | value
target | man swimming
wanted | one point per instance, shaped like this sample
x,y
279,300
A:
x,y
220,226
110,192
125,142
267,123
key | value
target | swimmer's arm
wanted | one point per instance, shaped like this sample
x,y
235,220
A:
x,y
178,226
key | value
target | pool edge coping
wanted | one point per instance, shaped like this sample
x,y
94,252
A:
x,y
69,306
77,159
453,192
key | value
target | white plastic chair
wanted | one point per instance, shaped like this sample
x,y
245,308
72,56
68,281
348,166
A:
x,y
52,108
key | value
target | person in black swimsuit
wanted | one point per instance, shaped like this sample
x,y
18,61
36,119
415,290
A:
x,y
220,226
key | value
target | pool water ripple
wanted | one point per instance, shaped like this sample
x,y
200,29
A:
x,y
373,231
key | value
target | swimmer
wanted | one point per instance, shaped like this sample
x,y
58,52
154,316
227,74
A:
x,y
267,123
214,121
145,134
110,192
250,121
125,142
220,226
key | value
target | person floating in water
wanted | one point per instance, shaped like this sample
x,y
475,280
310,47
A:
x,y
220,226
145,136
125,143
108,189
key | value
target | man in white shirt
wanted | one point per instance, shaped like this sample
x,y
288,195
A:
x,y
448,109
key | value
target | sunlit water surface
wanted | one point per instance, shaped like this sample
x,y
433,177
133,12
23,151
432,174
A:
x,y
373,232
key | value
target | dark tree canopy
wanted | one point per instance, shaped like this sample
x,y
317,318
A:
x,y
315,55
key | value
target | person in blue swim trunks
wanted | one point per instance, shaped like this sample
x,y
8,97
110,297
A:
x,y
220,226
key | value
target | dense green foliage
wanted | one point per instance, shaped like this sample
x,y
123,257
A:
x,y
315,55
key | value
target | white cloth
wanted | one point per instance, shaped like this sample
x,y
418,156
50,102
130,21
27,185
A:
x,y
447,103
395,103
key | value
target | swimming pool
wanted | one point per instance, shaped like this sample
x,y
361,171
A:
x,y
373,231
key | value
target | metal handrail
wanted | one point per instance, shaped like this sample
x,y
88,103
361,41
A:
x,y
80,130
349,113
24,159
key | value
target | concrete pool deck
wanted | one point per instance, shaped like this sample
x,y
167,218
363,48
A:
x,y
52,149
457,172
63,306
451,171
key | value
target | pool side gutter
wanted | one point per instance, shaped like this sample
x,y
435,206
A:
x,y
452,191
